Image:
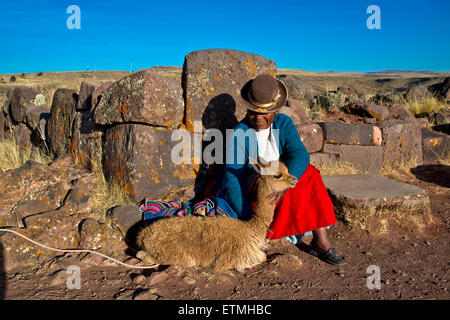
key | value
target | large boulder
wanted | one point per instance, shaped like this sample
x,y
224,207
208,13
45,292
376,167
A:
x,y
141,97
62,115
402,141
212,81
21,98
138,158
86,145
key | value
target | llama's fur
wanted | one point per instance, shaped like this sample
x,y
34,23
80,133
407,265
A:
x,y
218,241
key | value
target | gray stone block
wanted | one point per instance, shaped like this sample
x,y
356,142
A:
x,y
368,159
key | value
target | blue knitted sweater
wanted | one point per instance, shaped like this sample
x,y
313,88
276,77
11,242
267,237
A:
x,y
292,152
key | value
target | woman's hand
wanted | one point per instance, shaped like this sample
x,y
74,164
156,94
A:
x,y
276,196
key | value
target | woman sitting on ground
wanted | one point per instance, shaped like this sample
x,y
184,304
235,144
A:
x,y
301,209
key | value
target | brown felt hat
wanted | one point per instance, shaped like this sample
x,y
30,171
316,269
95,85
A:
x,y
264,94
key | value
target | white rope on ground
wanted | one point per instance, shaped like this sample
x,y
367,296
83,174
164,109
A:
x,y
78,251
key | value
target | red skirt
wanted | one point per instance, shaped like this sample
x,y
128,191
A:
x,y
305,207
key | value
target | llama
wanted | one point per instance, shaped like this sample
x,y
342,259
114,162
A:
x,y
221,242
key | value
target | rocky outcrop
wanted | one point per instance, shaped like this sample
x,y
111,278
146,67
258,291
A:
x,y
442,90
212,81
52,205
62,115
142,97
138,157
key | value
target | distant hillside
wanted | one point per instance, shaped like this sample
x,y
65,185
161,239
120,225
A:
x,y
369,83
392,71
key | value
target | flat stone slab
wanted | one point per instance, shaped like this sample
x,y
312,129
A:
x,y
372,190
377,204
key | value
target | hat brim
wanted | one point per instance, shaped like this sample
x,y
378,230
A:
x,y
249,105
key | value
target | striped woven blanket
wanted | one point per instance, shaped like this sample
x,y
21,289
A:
x,y
153,209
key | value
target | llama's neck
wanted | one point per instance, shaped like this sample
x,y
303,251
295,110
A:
x,y
263,216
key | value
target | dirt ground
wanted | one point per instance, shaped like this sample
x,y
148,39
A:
x,y
412,266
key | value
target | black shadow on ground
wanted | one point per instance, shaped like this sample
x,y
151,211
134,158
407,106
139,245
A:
x,y
435,173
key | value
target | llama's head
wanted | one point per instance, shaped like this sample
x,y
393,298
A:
x,y
274,175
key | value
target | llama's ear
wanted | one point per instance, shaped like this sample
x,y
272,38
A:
x,y
263,163
255,164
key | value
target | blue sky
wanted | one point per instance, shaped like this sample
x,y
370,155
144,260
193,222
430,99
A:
x,y
308,35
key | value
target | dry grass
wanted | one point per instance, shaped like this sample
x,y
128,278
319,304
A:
x,y
48,82
445,160
338,168
399,168
12,156
108,195
382,220
423,105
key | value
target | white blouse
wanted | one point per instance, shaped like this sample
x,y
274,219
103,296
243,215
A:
x,y
267,145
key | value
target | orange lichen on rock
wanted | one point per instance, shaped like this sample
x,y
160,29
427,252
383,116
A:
x,y
123,109
218,78
250,68
273,73
39,252
435,142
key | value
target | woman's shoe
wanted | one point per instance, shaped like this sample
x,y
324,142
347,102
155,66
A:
x,y
330,256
